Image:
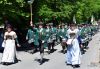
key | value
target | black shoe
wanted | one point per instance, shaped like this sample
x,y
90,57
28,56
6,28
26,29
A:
x,y
64,52
32,52
49,52
3,63
69,64
75,66
9,63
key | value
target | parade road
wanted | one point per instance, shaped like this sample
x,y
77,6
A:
x,y
56,60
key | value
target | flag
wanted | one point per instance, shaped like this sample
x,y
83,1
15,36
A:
x,y
74,19
92,19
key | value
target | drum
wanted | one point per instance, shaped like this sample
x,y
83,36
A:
x,y
63,43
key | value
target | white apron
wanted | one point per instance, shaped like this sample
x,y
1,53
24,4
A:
x,y
9,49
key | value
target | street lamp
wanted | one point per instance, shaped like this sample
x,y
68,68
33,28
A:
x,y
30,3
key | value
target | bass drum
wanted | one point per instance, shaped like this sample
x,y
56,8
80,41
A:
x,y
63,43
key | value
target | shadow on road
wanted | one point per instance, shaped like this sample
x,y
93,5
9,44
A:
x,y
61,51
44,60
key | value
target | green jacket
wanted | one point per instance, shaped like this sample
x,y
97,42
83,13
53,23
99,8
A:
x,y
63,33
42,34
33,36
48,34
30,36
36,37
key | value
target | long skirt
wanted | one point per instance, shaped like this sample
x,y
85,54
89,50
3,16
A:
x,y
73,53
9,51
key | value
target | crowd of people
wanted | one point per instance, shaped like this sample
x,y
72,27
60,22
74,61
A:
x,y
73,39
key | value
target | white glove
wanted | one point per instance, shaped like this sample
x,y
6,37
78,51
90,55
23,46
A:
x,y
18,45
42,41
26,38
61,36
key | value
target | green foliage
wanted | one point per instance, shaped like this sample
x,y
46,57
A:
x,y
18,11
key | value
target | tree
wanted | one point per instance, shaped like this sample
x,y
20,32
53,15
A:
x,y
18,11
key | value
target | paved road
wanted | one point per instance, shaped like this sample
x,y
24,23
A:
x,y
56,60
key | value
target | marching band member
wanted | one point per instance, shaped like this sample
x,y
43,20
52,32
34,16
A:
x,y
48,37
53,35
63,37
42,41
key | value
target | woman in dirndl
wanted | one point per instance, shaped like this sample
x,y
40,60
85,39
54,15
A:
x,y
73,49
9,53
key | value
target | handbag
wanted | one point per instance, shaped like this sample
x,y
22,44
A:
x,y
3,44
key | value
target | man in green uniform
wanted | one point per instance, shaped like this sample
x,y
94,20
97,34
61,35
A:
x,y
33,37
53,36
63,37
41,41
48,37
58,34
84,39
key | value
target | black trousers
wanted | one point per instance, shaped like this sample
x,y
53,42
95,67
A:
x,y
41,46
63,44
49,46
